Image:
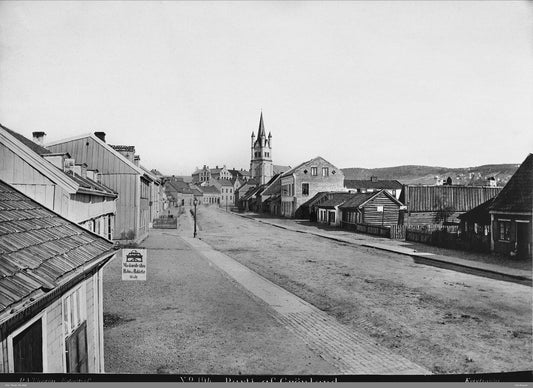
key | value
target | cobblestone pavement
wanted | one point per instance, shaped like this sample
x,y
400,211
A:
x,y
350,351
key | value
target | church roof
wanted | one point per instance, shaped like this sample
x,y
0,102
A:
x,y
261,130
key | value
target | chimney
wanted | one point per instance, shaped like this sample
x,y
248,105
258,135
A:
x,y
373,179
38,137
136,160
57,159
68,164
100,135
81,169
92,175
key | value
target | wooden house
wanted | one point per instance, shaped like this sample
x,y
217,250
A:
x,y
56,181
271,196
427,205
51,270
302,182
376,208
120,171
243,189
328,210
511,214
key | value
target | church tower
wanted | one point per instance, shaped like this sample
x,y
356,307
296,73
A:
x,y
261,168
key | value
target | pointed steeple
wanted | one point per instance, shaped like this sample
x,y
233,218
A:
x,y
261,130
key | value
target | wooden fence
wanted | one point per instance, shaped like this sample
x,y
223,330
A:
x,y
376,230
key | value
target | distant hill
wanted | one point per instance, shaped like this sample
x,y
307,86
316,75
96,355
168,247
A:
x,y
426,175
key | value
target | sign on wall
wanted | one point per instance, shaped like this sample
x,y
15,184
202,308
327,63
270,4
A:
x,y
380,209
134,264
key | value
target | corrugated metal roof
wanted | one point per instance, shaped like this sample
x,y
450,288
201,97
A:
x,y
38,247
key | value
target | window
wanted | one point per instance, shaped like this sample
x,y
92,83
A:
x,y
505,230
75,329
144,189
325,171
26,348
305,188
314,171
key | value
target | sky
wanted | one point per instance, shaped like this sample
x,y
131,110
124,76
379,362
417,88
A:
x,y
360,83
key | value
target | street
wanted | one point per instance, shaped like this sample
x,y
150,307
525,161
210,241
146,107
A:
x,y
446,321
187,318
190,318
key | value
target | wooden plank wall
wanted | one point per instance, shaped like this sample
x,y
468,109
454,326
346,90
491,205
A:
x,y
390,215
24,177
433,198
115,174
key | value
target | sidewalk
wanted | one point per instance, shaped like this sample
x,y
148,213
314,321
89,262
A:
x,y
514,274
350,350
187,317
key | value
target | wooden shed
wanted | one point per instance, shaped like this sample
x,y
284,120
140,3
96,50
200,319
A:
x,y
437,204
377,208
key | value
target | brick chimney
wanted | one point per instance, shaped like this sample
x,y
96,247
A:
x,y
136,160
38,137
100,135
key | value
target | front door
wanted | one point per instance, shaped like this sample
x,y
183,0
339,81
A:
x,y
522,240
28,349
331,219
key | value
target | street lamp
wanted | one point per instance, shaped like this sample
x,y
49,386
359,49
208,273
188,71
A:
x,y
195,202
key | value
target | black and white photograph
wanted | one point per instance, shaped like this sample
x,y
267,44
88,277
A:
x,y
266,191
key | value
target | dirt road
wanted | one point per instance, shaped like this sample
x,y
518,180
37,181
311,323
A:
x,y
449,322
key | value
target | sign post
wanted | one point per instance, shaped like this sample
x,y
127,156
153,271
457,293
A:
x,y
134,264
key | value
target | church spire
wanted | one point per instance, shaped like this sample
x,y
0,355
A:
x,y
261,130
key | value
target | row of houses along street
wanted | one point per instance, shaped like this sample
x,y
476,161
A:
x,y
68,205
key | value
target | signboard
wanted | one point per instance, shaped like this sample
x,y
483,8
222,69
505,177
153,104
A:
x,y
134,264
380,209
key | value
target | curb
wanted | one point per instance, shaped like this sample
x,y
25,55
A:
x,y
510,277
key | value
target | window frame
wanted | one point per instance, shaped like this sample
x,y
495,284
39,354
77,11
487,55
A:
x,y
504,230
19,330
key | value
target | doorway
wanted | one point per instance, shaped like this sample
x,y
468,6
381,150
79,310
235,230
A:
x,y
522,239
28,349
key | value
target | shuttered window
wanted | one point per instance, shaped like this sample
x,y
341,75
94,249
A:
x,y
75,329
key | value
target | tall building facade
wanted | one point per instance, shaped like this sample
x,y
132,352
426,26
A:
x,y
261,168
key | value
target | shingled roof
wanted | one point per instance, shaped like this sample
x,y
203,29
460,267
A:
x,y
40,251
335,199
88,186
209,190
358,199
517,194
